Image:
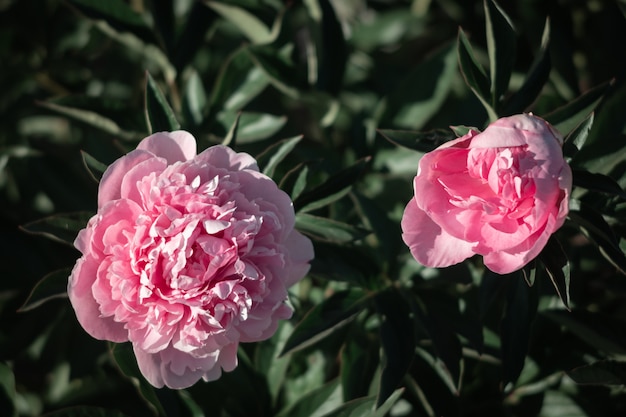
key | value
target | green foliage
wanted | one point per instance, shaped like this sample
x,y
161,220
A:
x,y
337,101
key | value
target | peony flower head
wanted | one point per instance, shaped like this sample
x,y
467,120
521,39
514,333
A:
x,y
187,256
500,194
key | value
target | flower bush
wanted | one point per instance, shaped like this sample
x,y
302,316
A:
x,y
500,193
187,256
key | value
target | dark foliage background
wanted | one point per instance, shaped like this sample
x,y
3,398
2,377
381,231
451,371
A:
x,y
337,100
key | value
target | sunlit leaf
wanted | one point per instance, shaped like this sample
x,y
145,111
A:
x,y
253,28
501,44
326,317
52,286
252,127
159,115
231,137
269,159
557,403
194,100
61,228
329,230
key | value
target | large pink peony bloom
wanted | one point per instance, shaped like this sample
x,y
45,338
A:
x,y
187,256
500,193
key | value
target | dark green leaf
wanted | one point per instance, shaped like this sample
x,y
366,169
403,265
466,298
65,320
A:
x,y
529,272
252,127
420,95
359,359
93,166
231,137
418,141
575,140
326,397
501,44
474,74
332,51
364,407
597,182
557,266
270,363
326,317
520,311
125,359
329,230
608,372
535,80
159,115
276,67
84,411
93,119
603,332
570,115
61,228
118,14
332,189
296,179
397,342
592,224
53,285
7,391
194,100
199,20
269,159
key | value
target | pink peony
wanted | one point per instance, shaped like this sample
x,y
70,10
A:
x,y
500,194
187,256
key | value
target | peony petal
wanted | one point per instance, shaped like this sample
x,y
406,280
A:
x,y
300,254
87,310
111,182
174,146
221,156
429,244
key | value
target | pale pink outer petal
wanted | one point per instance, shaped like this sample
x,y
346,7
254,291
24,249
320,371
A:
x,y
85,306
429,244
174,146
301,252
111,181
221,156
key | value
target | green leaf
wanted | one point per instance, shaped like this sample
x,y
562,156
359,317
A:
x,y
420,95
557,403
474,74
335,187
397,342
557,266
194,100
418,141
597,182
501,43
535,79
61,228
159,115
332,51
231,137
575,140
51,286
359,359
118,14
329,230
270,363
193,31
326,317
296,179
125,359
461,130
365,407
316,403
279,70
272,156
253,28
93,166
85,411
603,332
515,327
252,127
92,119
593,226
570,115
607,372
7,391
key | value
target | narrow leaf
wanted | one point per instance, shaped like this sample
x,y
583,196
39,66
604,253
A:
x,y
93,166
159,115
333,188
253,28
326,317
333,51
575,140
231,137
597,182
61,228
557,266
474,74
607,372
570,115
85,411
52,286
93,119
501,43
418,141
329,230
314,402
194,100
252,127
272,156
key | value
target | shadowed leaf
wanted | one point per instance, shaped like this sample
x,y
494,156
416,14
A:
x,y
159,115
52,286
61,228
